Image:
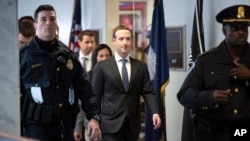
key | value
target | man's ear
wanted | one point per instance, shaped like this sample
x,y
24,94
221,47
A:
x,y
224,30
113,40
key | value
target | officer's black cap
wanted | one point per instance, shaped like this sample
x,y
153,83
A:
x,y
237,14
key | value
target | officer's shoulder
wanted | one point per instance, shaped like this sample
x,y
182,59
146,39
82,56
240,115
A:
x,y
63,47
207,53
24,47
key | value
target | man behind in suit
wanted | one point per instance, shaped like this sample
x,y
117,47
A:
x,y
120,106
26,33
87,42
26,30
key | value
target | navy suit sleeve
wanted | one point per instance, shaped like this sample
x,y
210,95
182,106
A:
x,y
84,91
97,81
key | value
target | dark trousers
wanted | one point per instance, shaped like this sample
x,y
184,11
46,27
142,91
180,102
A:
x,y
205,130
124,134
83,134
44,132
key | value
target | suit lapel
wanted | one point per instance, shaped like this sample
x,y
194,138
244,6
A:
x,y
115,72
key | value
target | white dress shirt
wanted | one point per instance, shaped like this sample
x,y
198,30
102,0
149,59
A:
x,y
88,60
119,64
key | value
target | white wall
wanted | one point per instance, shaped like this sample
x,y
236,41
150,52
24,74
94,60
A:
x,y
177,13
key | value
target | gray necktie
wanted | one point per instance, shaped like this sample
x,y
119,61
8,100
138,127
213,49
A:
x,y
84,62
125,74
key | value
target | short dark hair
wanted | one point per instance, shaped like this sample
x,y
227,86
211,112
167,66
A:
x,y
26,29
25,18
121,27
45,7
86,33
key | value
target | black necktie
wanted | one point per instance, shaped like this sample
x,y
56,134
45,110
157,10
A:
x,y
125,74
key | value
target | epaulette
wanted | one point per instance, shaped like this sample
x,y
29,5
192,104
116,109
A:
x,y
23,47
207,52
62,46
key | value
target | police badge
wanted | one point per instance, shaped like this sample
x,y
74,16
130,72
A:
x,y
70,64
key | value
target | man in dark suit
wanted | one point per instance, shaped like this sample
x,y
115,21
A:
x,y
87,42
120,101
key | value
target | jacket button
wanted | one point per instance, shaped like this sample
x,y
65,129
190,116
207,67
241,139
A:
x,y
60,105
204,108
236,90
57,69
235,111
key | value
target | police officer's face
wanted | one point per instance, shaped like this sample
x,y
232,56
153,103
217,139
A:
x,y
46,25
87,44
236,35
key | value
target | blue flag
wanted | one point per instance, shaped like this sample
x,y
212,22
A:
x,y
75,27
158,69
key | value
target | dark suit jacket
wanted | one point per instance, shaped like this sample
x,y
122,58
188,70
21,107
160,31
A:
x,y
114,100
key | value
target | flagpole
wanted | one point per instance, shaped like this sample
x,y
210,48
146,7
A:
x,y
199,9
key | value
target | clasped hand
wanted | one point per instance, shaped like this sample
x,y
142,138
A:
x,y
221,96
240,71
94,130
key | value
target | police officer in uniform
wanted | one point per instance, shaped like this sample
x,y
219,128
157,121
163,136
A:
x,y
217,88
51,81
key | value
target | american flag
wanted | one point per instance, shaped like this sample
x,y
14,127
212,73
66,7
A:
x,y
76,26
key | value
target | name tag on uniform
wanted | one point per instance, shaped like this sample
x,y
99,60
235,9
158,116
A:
x,y
36,94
